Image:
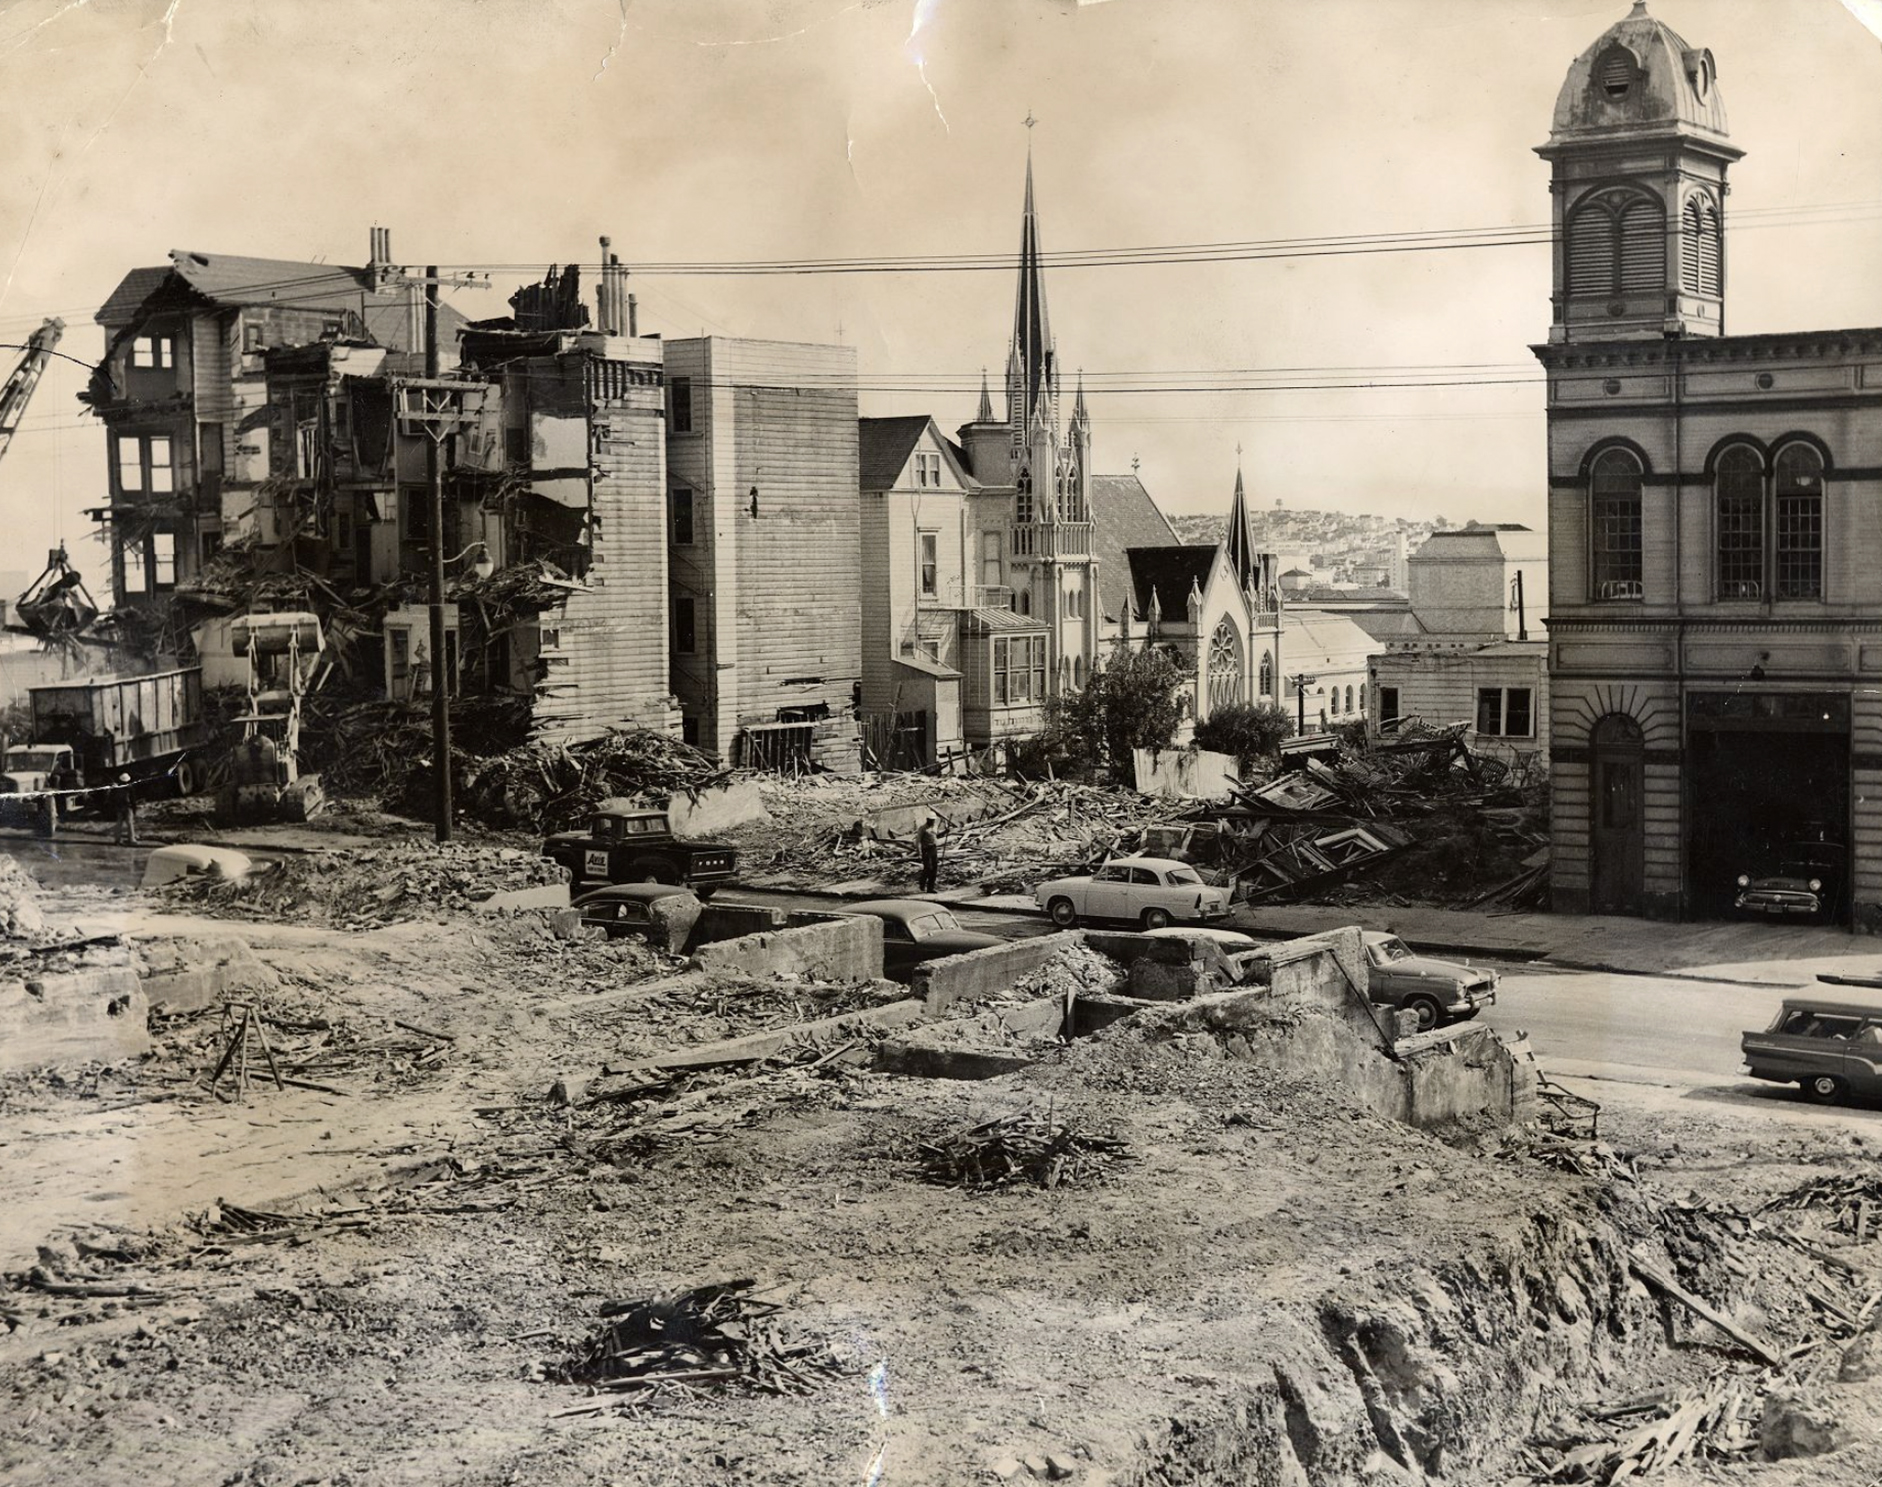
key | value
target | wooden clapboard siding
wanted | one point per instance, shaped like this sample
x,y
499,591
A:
x,y
613,632
876,523
1441,688
785,585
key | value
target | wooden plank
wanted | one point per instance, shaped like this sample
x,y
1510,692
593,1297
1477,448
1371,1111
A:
x,y
1667,1286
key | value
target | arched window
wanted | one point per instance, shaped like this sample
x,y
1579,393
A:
x,y
1225,667
1078,672
1617,244
1267,673
1703,250
1614,524
1022,502
1349,699
1797,492
1738,486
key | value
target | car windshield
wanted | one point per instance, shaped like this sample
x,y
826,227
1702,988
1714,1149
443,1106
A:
x,y
1185,875
34,758
1798,870
1391,949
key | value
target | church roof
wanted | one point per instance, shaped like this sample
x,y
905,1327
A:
x,y
1169,573
1312,639
1123,516
1639,72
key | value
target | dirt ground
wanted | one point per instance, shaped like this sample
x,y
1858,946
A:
x,y
383,1279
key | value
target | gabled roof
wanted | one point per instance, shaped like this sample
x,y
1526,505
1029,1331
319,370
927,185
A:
x,y
1169,573
883,446
233,282
1123,516
1313,638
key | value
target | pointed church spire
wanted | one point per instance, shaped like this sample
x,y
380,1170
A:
x,y
1081,416
1032,331
1240,541
985,415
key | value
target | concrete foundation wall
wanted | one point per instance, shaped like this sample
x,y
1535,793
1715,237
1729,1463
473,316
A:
x,y
81,1016
186,973
982,973
707,813
844,948
1462,1073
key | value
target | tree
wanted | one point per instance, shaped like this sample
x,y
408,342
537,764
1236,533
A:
x,y
1135,702
1249,731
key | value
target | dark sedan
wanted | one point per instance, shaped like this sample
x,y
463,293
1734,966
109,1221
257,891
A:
x,y
629,909
915,931
1803,886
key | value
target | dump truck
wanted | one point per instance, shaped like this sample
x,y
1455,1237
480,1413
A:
x,y
97,732
630,843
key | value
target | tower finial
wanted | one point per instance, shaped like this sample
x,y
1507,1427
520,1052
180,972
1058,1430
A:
x,y
1640,9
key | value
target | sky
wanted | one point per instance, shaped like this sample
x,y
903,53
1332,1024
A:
x,y
505,135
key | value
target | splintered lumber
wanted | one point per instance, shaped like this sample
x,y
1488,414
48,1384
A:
x,y
1667,1286
1029,1148
714,1334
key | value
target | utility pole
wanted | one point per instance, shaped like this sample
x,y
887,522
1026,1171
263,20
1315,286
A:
x,y
440,679
438,407
1301,682
1516,603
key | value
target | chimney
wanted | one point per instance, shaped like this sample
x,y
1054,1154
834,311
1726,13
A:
x,y
379,264
604,298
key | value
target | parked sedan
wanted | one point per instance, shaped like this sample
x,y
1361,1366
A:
x,y
1151,891
915,931
1800,888
628,908
1437,990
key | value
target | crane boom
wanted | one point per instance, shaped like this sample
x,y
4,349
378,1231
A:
x,y
17,390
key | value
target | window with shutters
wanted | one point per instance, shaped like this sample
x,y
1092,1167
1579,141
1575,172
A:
x,y
1643,246
1615,483
1617,244
1702,255
1738,478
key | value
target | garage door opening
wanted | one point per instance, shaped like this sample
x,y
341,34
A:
x,y
1765,774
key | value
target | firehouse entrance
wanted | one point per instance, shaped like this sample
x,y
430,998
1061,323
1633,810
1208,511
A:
x,y
1765,772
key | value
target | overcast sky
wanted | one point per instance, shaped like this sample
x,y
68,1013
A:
x,y
513,132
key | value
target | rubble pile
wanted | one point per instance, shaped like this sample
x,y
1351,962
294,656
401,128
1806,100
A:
x,y
363,887
553,787
1420,819
997,835
709,1336
1075,970
20,918
1025,1149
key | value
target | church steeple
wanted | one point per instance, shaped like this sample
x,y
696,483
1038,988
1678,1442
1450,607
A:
x,y
985,415
1032,370
1240,542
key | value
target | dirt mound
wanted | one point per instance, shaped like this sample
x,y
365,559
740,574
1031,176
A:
x,y
361,887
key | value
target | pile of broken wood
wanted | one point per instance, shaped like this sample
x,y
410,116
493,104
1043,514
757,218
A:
x,y
1855,1202
1025,1149
710,1336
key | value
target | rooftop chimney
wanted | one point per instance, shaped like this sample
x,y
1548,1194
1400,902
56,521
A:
x,y
379,264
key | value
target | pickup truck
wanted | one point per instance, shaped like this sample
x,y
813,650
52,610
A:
x,y
633,844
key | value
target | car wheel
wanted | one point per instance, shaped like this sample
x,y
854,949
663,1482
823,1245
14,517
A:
x,y
1063,913
1825,1089
1155,918
1430,1014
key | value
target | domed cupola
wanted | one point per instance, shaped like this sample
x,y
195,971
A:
x,y
1640,149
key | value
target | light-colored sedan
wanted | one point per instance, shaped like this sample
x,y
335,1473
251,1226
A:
x,y
1151,891
1439,991
168,864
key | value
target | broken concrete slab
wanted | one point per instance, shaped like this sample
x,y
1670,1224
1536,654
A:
x,y
698,814
838,948
519,900
185,973
756,1046
99,1014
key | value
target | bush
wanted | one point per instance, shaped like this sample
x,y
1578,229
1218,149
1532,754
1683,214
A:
x,y
1250,731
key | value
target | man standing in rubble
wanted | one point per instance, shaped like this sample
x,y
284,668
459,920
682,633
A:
x,y
929,840
127,812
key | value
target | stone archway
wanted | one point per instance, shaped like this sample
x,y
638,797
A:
x,y
1228,680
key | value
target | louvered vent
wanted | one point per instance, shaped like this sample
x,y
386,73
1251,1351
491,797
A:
x,y
1591,252
1701,266
1643,246
1616,74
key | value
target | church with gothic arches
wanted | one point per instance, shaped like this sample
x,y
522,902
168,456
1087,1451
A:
x,y
999,571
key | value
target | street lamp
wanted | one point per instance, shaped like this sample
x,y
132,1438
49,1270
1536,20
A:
x,y
1302,681
483,567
